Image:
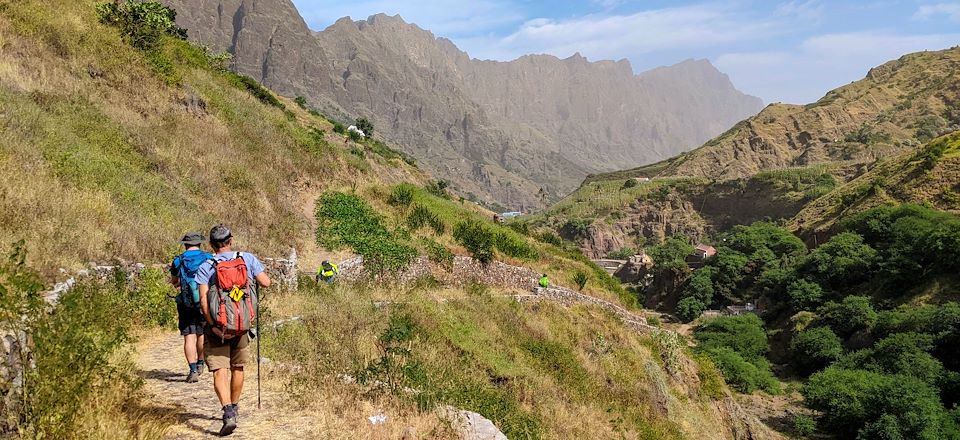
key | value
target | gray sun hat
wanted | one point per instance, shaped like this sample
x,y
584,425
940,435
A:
x,y
220,234
192,239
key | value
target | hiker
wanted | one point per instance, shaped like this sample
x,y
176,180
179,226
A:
x,y
544,281
327,272
228,296
190,318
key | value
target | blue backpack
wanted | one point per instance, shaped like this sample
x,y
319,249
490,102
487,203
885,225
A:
x,y
187,264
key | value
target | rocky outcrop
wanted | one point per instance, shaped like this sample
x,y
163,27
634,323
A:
x,y
500,130
470,425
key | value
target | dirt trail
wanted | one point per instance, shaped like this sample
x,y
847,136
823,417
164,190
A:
x,y
198,411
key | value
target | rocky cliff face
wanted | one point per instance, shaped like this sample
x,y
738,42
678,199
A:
x,y
500,130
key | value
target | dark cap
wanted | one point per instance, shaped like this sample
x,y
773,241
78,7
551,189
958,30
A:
x,y
220,234
192,239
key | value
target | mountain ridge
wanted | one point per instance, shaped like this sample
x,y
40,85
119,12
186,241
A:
x,y
498,130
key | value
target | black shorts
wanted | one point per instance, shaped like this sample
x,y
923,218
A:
x,y
190,320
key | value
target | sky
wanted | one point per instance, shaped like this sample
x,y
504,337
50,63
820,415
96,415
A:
x,y
781,51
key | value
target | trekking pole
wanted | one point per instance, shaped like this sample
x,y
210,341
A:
x,y
259,336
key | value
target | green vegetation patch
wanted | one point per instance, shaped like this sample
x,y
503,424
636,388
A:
x,y
347,220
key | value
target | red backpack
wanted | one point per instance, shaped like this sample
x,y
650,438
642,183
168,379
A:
x,y
233,298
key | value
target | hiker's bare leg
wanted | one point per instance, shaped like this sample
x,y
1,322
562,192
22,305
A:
x,y
190,347
200,346
221,384
236,384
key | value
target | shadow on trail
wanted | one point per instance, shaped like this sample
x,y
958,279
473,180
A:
x,y
196,421
164,375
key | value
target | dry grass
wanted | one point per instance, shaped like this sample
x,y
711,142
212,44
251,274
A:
x,y
101,159
551,372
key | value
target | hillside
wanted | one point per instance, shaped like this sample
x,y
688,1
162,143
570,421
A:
x,y
498,130
897,107
930,176
780,162
119,137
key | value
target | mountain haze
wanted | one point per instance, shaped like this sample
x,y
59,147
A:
x,y
499,130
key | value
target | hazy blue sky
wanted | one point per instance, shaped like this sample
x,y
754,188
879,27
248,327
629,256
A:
x,y
790,51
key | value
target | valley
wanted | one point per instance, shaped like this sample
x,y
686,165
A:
x,y
796,276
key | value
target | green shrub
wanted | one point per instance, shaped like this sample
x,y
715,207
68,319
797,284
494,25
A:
x,y
844,261
438,188
805,295
690,308
854,313
742,375
339,128
347,220
711,378
744,334
629,183
75,345
622,254
580,278
815,349
420,216
549,237
866,405
402,195
256,89
476,238
804,425
576,228
438,253
301,102
364,125
514,246
142,24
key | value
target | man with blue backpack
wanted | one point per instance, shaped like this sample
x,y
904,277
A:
x,y
191,322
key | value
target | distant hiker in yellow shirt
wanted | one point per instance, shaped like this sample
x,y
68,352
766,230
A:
x,y
327,272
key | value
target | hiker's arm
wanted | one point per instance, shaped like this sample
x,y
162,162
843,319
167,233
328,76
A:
x,y
263,279
204,306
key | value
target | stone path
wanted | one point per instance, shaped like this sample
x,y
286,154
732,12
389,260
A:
x,y
198,411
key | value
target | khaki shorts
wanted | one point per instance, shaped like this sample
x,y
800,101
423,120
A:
x,y
233,352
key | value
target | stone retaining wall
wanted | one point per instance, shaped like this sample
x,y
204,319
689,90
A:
x,y
466,270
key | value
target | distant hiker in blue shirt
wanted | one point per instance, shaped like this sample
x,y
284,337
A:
x,y
190,319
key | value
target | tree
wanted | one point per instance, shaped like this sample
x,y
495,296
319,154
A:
x,y
814,349
853,314
868,405
742,375
843,261
690,308
744,334
670,257
805,295
902,353
700,285
365,126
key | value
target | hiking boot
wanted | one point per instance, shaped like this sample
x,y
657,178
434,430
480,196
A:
x,y
193,377
229,420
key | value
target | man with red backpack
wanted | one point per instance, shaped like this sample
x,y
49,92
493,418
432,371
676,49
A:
x,y
228,285
190,320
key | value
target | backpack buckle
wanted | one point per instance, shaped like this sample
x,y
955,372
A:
x,y
236,293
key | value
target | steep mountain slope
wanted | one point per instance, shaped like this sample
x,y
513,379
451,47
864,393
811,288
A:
x,y
773,165
898,106
930,176
113,152
499,130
